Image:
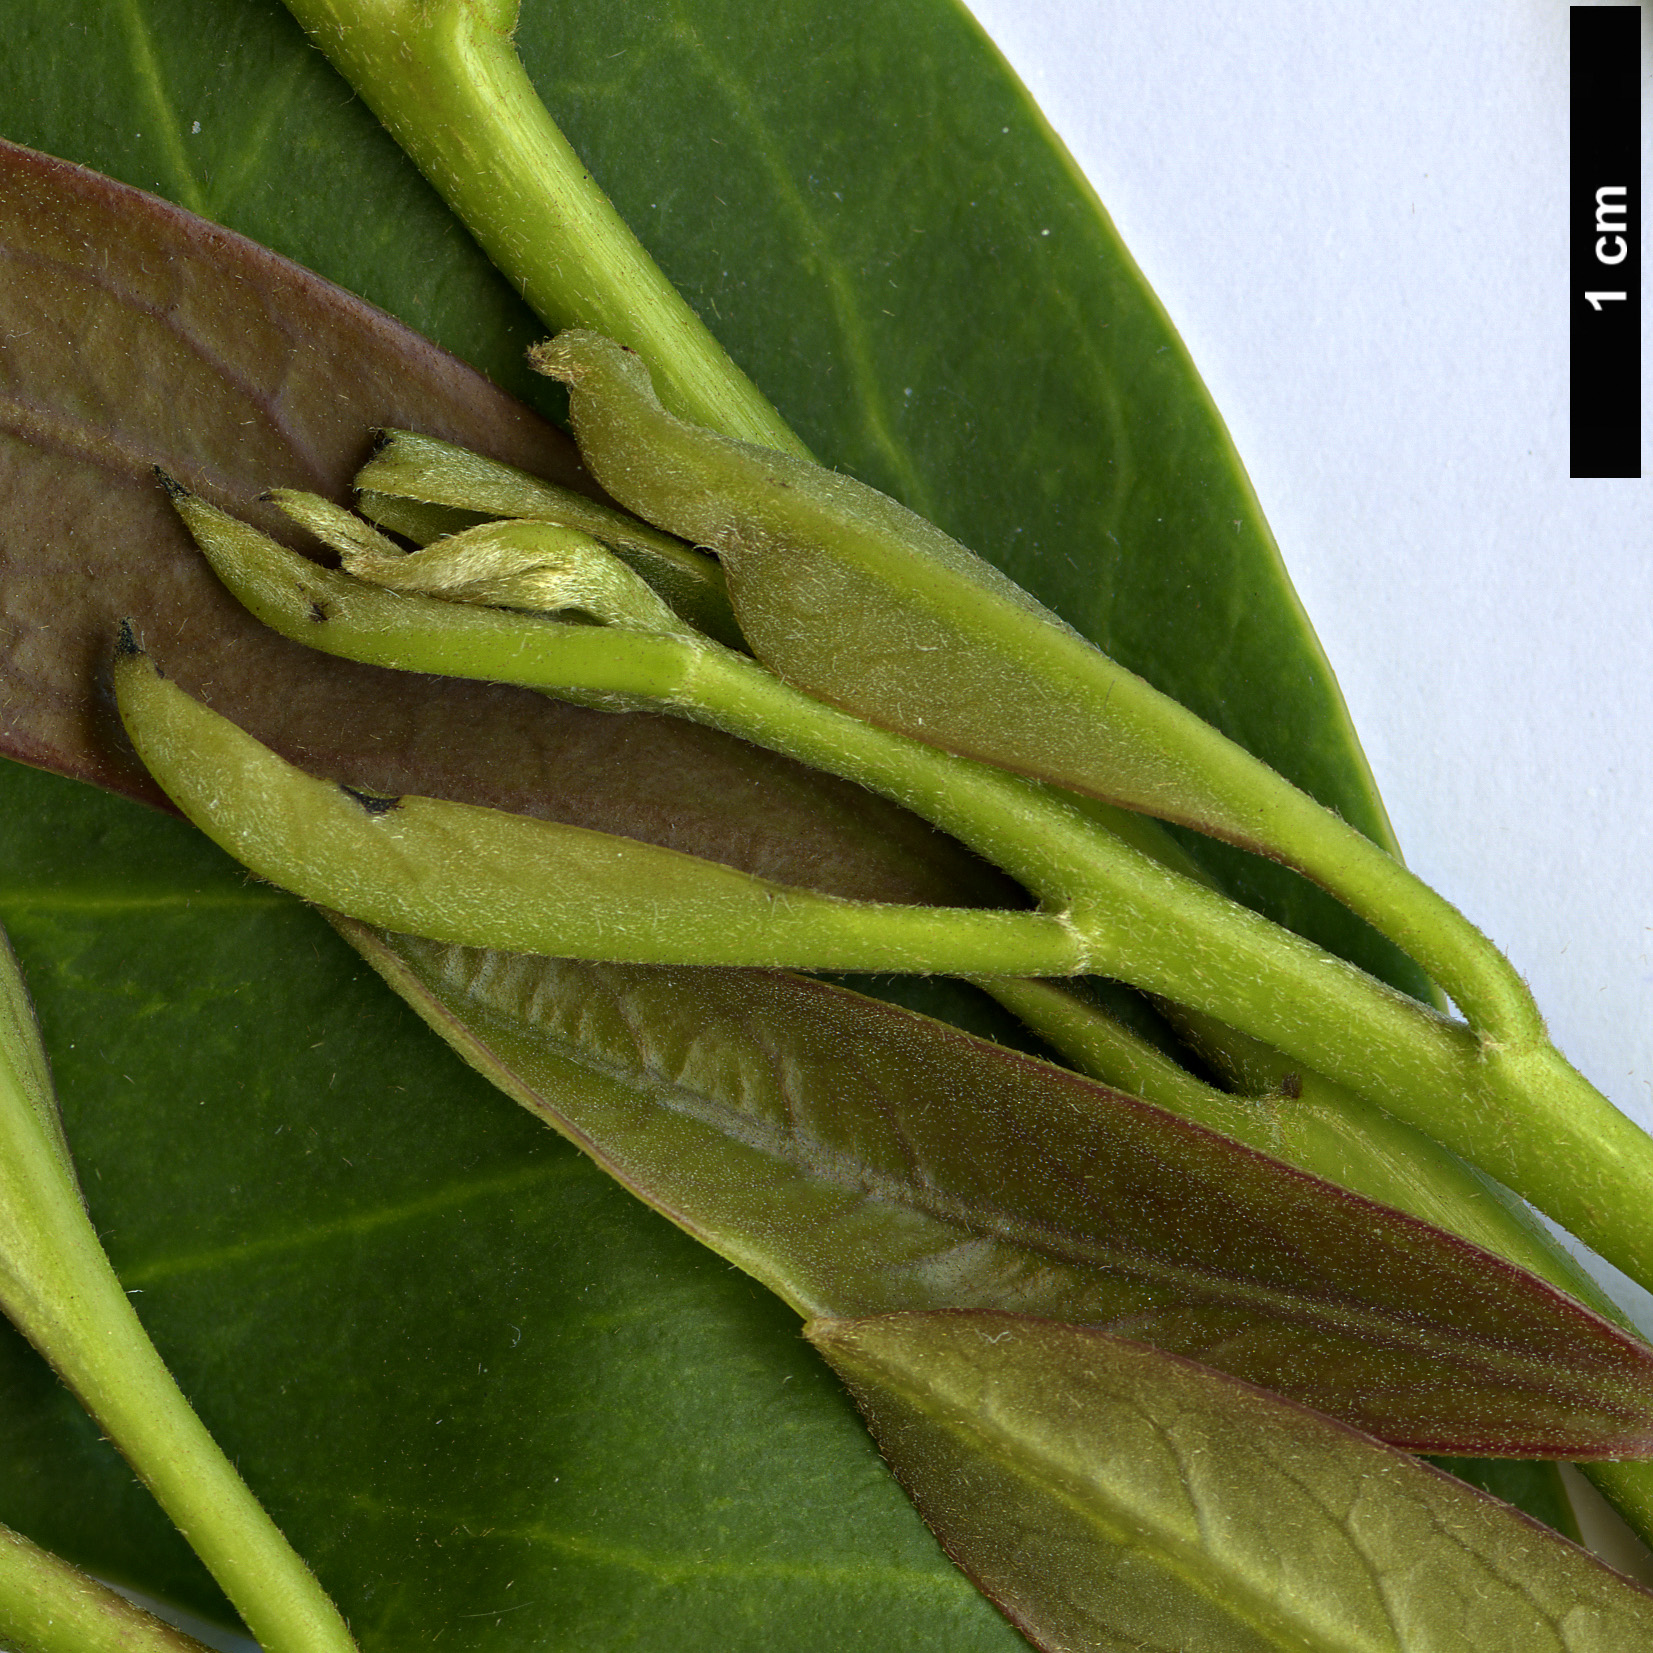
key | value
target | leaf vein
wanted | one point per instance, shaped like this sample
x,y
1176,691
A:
x,y
358,1225
234,175
857,348
148,71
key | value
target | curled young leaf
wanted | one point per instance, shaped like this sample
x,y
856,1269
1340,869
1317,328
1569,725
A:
x,y
534,566
1109,1496
421,487
256,373
484,877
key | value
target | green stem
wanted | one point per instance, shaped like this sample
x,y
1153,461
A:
x,y
47,1606
84,1324
445,79
1516,1109
57,1285
446,82
1148,926
1098,1044
1288,825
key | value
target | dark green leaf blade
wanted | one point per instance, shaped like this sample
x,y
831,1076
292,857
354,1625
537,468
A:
x,y
484,1391
860,1160
1110,1497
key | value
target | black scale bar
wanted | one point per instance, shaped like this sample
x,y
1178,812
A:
x,y
1605,202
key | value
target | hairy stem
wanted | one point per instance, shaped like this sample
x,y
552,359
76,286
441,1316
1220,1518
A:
x,y
445,79
47,1606
60,1290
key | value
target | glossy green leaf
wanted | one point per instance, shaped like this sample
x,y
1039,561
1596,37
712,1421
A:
x,y
1110,1498
775,1527
859,1161
482,1389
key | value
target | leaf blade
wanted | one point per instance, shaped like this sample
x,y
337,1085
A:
x,y
859,1160
1108,1496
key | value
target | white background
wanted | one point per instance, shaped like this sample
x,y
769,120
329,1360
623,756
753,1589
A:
x,y
1356,216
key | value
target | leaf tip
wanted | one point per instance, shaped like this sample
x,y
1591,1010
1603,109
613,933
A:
x,y
175,490
372,802
827,1332
576,352
131,657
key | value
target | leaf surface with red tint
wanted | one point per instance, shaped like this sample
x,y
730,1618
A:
x,y
861,1160
133,334
1108,1497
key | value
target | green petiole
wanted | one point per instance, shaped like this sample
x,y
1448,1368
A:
x,y
1109,908
47,1606
59,1289
444,78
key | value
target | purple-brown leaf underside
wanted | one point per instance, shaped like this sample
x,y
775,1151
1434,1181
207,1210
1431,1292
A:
x,y
861,1160
133,334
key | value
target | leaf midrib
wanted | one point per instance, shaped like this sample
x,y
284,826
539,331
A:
x,y
1181,1284
1127,1528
